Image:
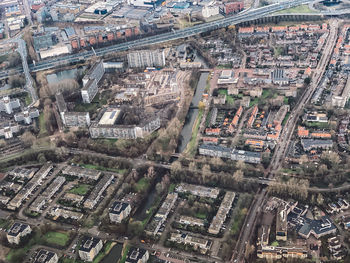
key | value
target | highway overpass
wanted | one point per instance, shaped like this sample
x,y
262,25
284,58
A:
x,y
161,38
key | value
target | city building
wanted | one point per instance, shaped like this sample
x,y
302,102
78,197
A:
x,y
192,221
8,105
162,214
221,215
71,119
22,173
137,255
17,231
27,116
201,244
29,188
309,144
48,193
57,212
119,211
90,247
82,173
90,82
97,191
146,58
45,256
223,152
198,190
317,227
107,127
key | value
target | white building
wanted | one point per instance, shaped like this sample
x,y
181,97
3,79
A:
x,y
17,231
90,247
119,211
90,82
146,58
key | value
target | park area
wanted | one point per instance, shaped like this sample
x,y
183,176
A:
x,y
56,238
81,189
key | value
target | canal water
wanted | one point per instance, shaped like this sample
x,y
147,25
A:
x,y
63,75
192,114
114,255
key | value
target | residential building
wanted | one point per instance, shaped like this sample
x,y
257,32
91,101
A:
x,y
22,173
198,190
90,247
220,216
90,82
137,255
45,256
317,227
48,193
82,173
71,119
97,191
309,144
17,231
197,243
77,119
116,131
36,180
146,58
162,214
8,105
192,221
119,211
27,116
8,130
223,152
57,212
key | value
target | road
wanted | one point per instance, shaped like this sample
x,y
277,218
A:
x,y
282,145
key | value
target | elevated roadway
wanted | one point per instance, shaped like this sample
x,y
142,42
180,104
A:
x,y
165,37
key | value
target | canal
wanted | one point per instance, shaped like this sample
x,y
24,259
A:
x,y
57,77
114,255
192,114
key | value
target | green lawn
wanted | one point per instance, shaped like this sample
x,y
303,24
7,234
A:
x,y
192,145
125,254
42,125
28,99
285,118
141,185
81,189
317,125
56,238
297,9
101,168
5,223
200,216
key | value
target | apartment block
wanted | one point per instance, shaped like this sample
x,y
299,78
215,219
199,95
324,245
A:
x,y
8,105
119,211
17,231
97,191
42,199
146,58
45,256
137,255
90,82
90,247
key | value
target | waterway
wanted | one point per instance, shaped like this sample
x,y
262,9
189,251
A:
x,y
192,114
114,255
64,75
142,212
